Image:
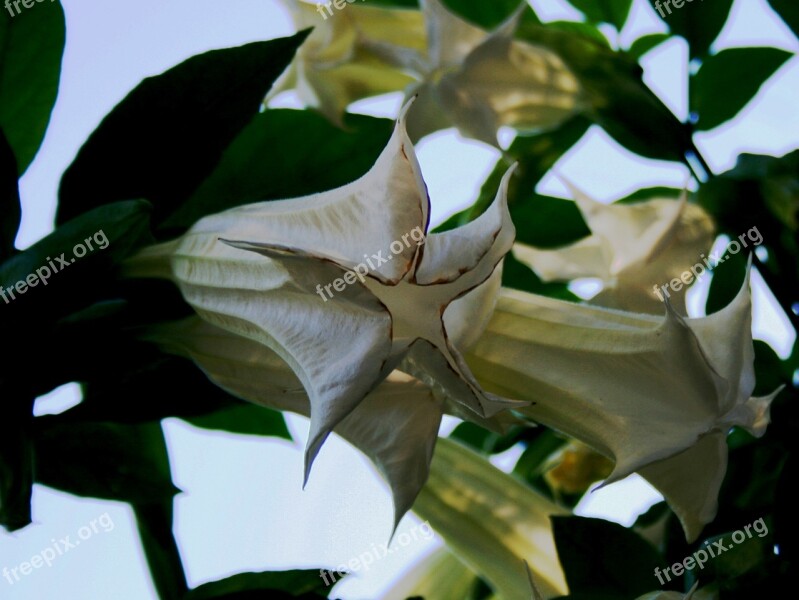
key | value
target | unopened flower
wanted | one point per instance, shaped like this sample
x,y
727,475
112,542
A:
x,y
657,395
255,271
632,248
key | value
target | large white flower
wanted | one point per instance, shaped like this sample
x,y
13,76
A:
x,y
633,249
346,285
657,395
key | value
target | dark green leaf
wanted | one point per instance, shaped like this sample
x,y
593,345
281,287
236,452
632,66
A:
x,y
535,155
294,583
789,11
165,137
9,199
618,98
739,557
535,217
519,276
649,193
604,11
104,460
485,441
113,231
727,280
244,418
646,43
769,371
31,46
584,29
727,81
600,557
285,154
698,22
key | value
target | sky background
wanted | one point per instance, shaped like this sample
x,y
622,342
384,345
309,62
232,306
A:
x,y
242,506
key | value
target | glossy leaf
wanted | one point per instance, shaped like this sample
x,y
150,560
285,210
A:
x,y
620,101
268,161
104,460
600,557
293,583
30,69
646,43
727,81
167,134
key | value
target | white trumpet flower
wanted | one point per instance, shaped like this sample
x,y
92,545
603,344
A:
x,y
257,271
632,248
657,395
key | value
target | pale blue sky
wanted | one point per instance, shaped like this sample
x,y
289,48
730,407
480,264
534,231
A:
x,y
242,506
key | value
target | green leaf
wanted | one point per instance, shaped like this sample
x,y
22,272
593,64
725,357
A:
x,y
167,134
56,280
614,12
9,199
104,460
535,155
519,276
293,583
727,279
618,98
789,11
698,22
244,418
739,557
600,557
485,441
583,29
31,46
285,154
645,194
727,81
534,219
646,43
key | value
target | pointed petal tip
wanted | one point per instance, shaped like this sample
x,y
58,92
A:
x,y
403,114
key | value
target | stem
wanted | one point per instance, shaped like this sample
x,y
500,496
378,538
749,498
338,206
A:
x,y
155,528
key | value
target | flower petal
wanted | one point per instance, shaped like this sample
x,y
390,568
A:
x,y
396,425
492,522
